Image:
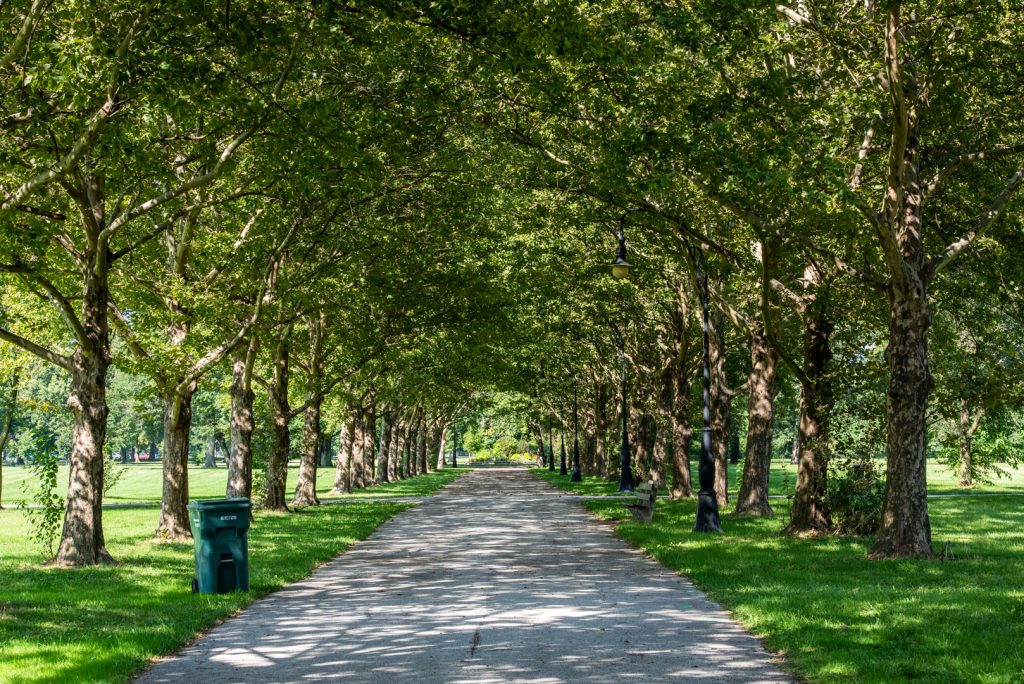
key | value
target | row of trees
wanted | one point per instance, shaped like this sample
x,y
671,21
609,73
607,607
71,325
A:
x,y
400,202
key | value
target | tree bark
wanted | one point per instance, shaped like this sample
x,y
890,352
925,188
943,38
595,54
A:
x,y
648,435
407,449
243,423
720,408
82,541
965,434
794,453
174,523
762,386
369,441
663,437
538,436
383,459
442,443
906,529
809,514
343,462
734,441
682,434
397,446
435,445
421,449
325,451
305,485
5,433
280,441
606,458
682,431
210,460
358,449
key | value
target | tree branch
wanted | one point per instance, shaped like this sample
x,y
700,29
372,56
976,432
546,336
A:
x,y
936,182
17,46
994,211
42,352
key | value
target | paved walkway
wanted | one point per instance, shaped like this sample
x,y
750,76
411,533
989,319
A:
x,y
494,579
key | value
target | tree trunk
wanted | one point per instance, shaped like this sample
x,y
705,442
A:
x,y
242,424
82,540
538,436
383,458
445,431
734,441
305,485
682,433
414,446
280,441
906,530
174,523
647,435
606,458
5,432
794,453
666,397
720,408
421,449
407,449
967,428
211,453
358,450
966,466
324,460
369,442
753,495
397,445
435,445
343,462
809,514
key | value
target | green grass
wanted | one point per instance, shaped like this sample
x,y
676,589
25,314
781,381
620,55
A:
x,y
103,624
142,483
837,616
782,480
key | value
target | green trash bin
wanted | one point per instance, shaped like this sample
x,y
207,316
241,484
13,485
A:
x,y
220,530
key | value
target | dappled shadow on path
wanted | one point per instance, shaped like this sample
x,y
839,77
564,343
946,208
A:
x,y
496,579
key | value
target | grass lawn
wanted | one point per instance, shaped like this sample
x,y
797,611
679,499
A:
x,y
142,483
782,480
103,624
838,617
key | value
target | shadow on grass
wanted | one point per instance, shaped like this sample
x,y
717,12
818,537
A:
x,y
421,485
840,617
104,623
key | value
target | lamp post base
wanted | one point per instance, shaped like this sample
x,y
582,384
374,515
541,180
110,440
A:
x,y
707,513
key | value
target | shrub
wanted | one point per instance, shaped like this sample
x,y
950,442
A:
x,y
46,520
855,497
112,474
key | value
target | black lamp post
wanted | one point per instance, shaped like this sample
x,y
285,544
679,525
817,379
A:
x,y
620,269
577,475
707,502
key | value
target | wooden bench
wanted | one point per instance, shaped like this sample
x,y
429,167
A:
x,y
643,508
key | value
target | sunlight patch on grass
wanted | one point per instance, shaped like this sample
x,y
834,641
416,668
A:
x,y
839,617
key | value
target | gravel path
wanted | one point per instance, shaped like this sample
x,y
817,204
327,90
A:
x,y
494,579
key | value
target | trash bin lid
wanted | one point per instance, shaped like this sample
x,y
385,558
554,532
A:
x,y
233,503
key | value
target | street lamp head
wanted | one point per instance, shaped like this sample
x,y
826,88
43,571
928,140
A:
x,y
620,267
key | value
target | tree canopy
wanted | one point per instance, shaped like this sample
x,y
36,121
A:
x,y
377,213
